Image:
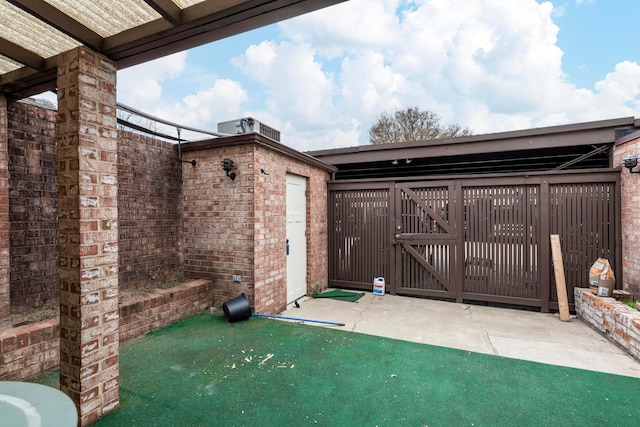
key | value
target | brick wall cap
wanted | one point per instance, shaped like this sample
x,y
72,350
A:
x,y
254,138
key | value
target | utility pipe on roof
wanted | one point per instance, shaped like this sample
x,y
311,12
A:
x,y
134,126
166,122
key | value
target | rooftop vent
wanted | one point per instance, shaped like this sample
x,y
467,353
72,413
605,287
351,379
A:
x,y
248,125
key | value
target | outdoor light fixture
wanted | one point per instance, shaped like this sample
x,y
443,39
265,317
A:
x,y
227,165
630,161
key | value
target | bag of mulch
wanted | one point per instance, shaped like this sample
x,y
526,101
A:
x,y
601,278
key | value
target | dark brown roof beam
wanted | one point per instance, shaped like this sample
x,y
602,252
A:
x,y
202,23
156,35
21,55
26,81
168,10
149,32
60,21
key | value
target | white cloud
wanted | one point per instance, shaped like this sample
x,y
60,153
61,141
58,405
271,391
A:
x,y
221,102
500,57
142,85
491,66
50,98
558,11
619,92
311,139
381,87
205,109
294,82
347,26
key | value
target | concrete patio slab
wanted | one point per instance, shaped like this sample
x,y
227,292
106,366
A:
x,y
526,335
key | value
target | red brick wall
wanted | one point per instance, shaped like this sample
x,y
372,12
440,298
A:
x,y
33,201
164,307
271,227
630,184
218,220
270,230
239,227
149,202
149,196
5,283
31,350
220,215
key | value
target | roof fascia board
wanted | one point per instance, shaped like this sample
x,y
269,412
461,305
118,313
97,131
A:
x,y
566,176
566,135
466,146
610,123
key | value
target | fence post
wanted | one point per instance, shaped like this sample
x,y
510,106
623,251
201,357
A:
x,y
458,226
544,247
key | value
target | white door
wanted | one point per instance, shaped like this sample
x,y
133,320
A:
x,y
296,237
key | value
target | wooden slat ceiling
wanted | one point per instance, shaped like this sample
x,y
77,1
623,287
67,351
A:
x,y
34,32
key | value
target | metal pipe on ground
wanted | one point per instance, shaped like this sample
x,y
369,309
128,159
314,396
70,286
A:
x,y
239,308
300,319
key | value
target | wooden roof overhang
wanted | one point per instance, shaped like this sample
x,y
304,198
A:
x,y
582,145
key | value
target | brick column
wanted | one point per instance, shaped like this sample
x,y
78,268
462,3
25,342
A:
x,y
5,309
88,218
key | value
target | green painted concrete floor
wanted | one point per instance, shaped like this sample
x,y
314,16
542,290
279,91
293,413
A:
x,y
203,371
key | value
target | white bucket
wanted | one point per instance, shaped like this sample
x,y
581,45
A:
x,y
378,286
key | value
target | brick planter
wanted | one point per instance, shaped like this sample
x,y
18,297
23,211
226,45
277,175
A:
x,y
31,350
617,321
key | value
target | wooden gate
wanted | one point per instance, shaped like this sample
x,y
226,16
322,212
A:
x,y
474,238
424,239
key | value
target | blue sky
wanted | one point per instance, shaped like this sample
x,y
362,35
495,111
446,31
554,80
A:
x,y
323,78
596,35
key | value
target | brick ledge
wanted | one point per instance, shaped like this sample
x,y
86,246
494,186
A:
x,y
619,322
30,350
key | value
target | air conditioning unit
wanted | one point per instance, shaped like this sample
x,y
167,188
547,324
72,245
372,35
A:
x,y
248,125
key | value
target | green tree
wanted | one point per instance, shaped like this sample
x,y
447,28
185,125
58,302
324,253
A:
x,y
412,125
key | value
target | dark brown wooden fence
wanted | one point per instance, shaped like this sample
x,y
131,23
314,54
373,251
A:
x,y
474,238
359,239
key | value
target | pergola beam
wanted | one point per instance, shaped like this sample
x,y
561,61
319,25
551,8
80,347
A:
x,y
61,22
168,9
22,55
